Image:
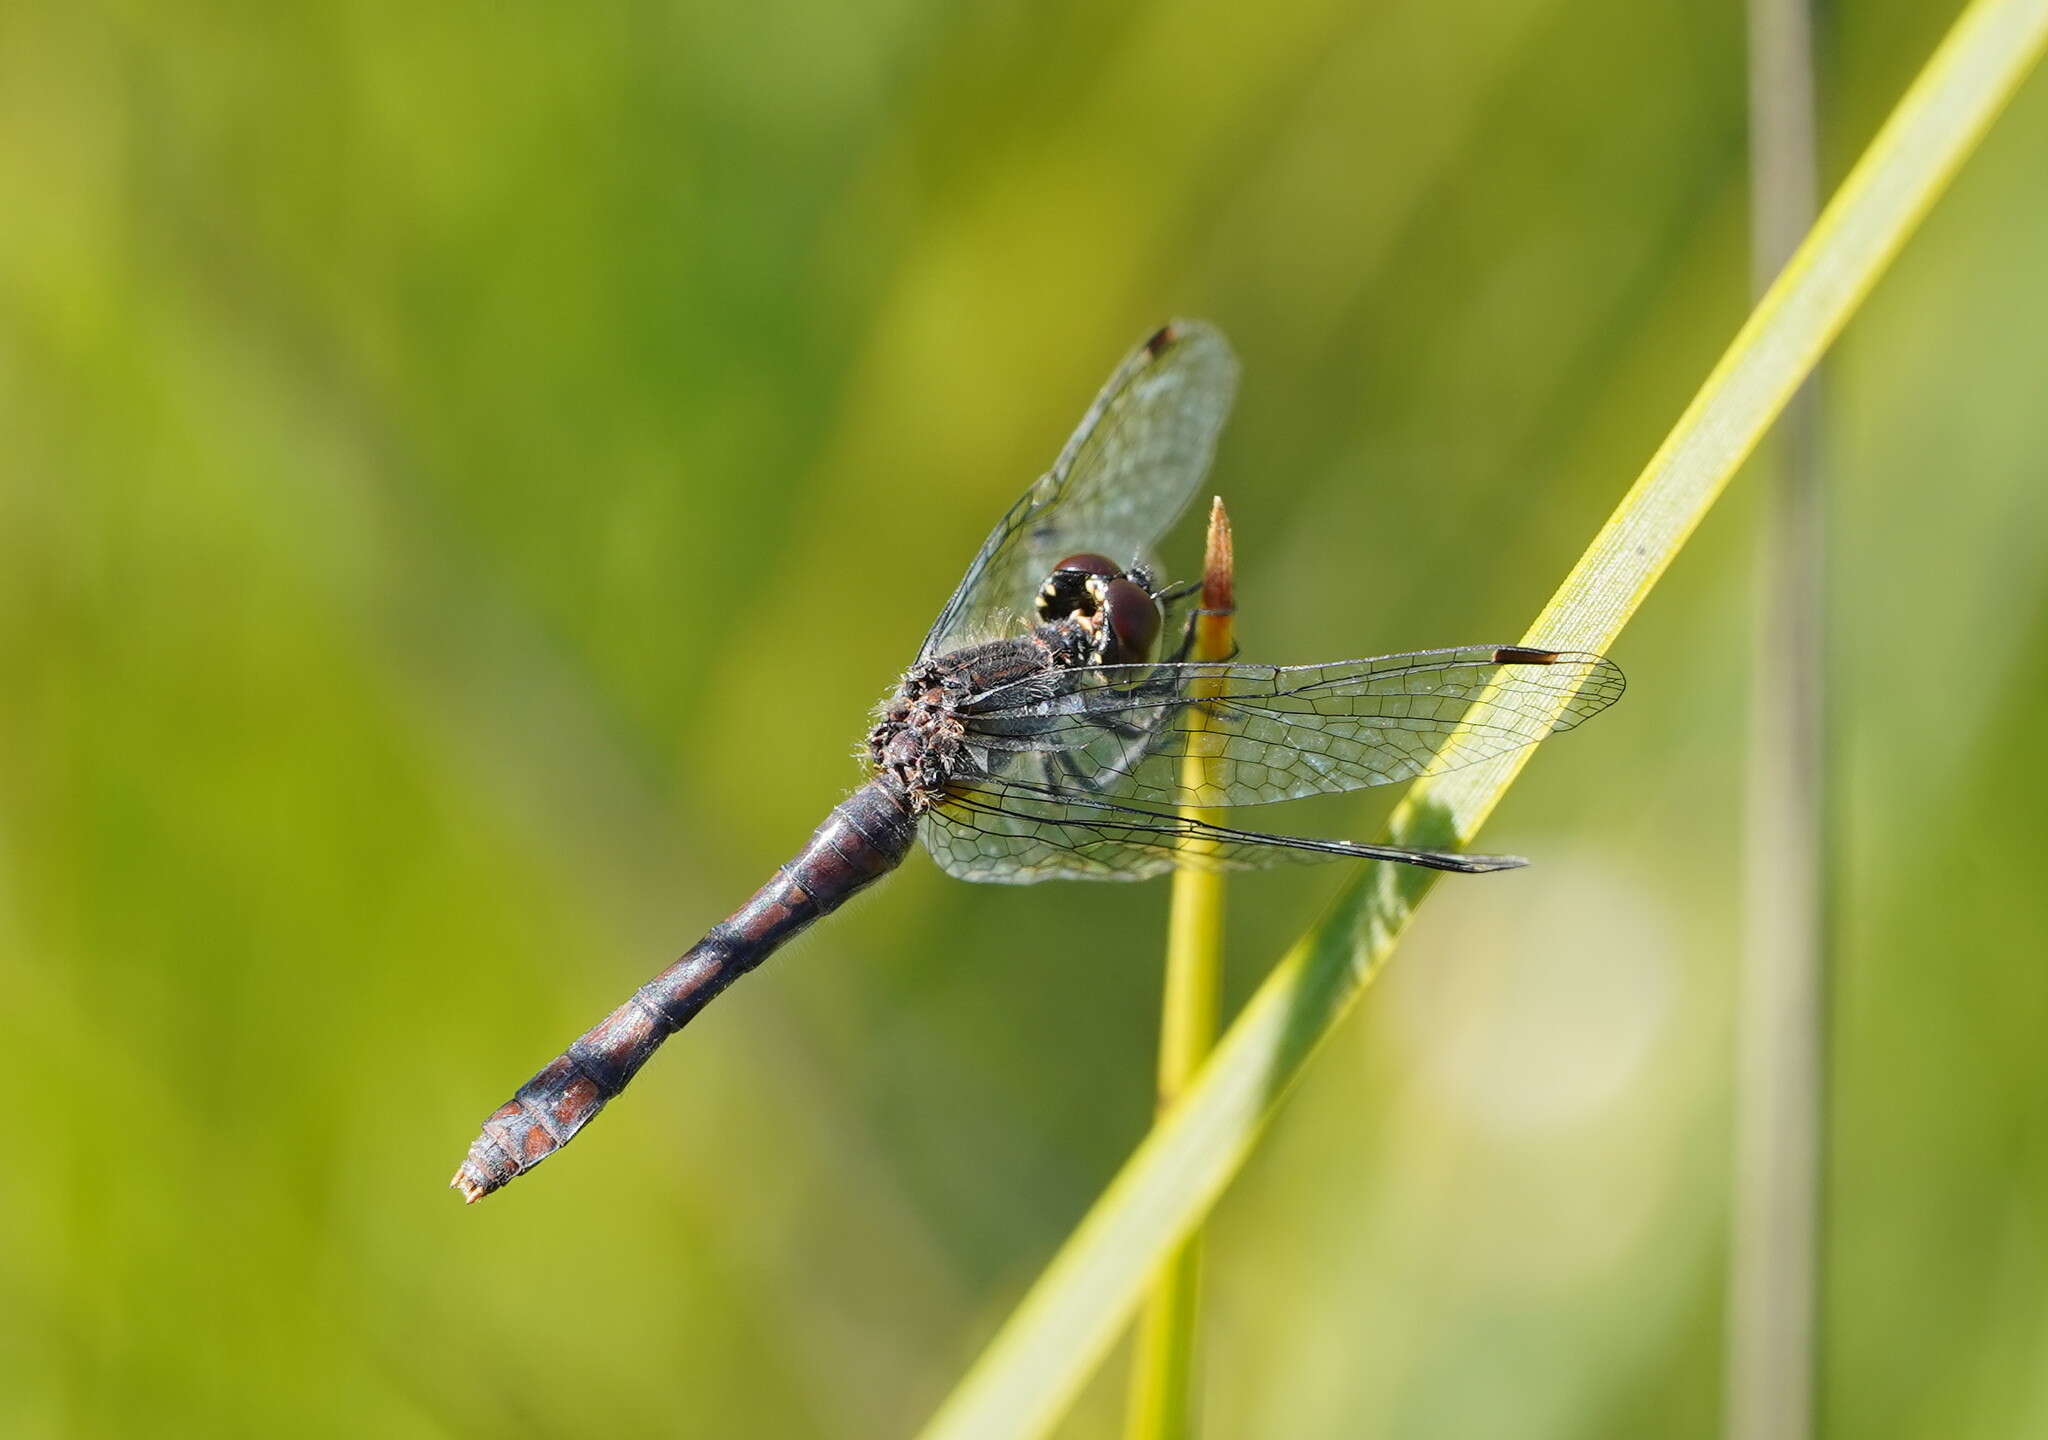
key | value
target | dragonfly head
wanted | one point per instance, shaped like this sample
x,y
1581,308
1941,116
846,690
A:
x,y
1114,607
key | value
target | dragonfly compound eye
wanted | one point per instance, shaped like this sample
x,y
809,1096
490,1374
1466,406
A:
x,y
1074,587
1133,623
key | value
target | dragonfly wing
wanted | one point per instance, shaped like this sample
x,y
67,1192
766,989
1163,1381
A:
x,y
1017,834
1280,732
1123,478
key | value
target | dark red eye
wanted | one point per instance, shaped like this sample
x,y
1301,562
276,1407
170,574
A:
x,y
1133,623
1091,564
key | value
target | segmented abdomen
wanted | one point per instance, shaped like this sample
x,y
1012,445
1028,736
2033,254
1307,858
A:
x,y
864,838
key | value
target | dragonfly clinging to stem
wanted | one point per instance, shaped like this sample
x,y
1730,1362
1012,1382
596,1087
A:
x,y
1040,733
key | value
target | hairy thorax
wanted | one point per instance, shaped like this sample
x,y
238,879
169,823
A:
x,y
921,741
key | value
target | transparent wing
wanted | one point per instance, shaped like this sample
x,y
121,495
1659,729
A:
x,y
1017,834
1123,478
1279,732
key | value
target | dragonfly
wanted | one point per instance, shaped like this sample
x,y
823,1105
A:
x,y
1041,733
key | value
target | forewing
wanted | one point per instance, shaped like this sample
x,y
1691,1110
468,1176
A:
x,y
1123,478
1017,834
1279,732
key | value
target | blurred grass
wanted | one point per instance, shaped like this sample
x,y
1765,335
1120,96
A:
x,y
426,434
1782,1013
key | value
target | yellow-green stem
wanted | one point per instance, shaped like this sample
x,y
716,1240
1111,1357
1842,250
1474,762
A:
x,y
1162,1396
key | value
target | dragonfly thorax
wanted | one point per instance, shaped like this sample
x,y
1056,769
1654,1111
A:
x,y
916,738
922,743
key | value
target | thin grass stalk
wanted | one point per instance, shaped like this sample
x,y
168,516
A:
x,y
1775,1252
1163,1397
1041,1356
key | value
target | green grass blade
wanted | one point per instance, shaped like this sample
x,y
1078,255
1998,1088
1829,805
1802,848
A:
x,y
1075,1310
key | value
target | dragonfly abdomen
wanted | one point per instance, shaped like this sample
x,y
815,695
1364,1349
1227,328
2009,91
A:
x,y
864,838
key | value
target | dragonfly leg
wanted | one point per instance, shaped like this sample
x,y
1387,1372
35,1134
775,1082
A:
x,y
1187,636
1138,741
1070,770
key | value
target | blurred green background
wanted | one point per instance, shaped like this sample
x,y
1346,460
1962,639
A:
x,y
466,471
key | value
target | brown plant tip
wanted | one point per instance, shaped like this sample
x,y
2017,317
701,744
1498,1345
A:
x,y
1219,564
